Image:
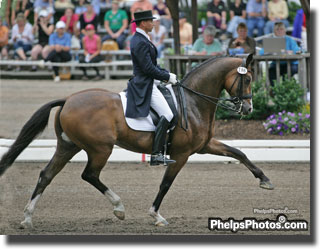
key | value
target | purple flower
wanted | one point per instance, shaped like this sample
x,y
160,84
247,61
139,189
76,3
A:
x,y
283,112
272,116
279,127
300,114
286,119
293,130
270,130
279,113
307,116
279,118
274,121
281,133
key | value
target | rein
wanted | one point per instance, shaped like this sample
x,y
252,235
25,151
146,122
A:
x,y
215,100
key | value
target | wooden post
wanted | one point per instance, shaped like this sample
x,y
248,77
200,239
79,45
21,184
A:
x,y
267,74
289,68
278,70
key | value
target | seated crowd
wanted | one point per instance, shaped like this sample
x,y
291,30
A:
x,y
77,28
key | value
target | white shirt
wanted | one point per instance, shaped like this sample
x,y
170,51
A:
x,y
141,31
26,32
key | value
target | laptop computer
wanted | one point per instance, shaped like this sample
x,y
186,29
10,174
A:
x,y
274,45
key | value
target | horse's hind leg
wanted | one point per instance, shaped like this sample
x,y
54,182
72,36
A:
x,y
64,152
218,148
96,162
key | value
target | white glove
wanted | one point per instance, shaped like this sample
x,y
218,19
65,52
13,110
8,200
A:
x,y
173,78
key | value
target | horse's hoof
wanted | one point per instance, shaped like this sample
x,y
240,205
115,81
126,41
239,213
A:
x,y
119,214
162,223
266,185
26,224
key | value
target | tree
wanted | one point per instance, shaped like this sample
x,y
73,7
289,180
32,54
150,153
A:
x,y
173,6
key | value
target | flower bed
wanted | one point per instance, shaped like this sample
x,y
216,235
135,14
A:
x,y
287,123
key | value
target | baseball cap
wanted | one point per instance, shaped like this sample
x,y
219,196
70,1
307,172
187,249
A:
x,y
43,13
60,25
156,17
90,27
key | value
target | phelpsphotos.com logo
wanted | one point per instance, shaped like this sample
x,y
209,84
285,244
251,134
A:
x,y
280,224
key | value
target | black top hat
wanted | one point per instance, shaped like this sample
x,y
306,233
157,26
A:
x,y
143,15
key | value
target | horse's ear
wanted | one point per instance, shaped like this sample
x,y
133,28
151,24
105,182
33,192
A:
x,y
249,60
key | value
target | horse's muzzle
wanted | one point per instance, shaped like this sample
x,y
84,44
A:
x,y
245,108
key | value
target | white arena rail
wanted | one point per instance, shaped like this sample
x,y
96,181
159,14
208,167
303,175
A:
x,y
256,151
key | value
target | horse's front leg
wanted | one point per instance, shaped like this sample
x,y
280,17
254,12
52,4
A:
x,y
218,148
168,178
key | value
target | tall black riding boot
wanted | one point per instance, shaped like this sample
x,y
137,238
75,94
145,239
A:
x,y
159,140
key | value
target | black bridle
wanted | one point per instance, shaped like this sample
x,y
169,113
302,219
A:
x,y
236,100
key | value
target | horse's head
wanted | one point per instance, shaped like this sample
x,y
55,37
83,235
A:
x,y
238,85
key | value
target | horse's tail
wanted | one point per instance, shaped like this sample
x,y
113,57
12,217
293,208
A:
x,y
36,124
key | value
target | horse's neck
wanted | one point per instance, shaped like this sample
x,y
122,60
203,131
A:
x,y
209,81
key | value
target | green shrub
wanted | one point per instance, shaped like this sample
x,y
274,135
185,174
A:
x,y
260,100
287,95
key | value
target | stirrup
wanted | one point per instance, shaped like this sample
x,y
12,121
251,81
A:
x,y
160,159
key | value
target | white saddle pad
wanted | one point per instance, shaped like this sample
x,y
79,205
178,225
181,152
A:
x,y
142,123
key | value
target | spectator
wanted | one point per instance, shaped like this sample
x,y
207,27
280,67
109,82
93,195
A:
x,y
256,12
140,5
44,30
277,12
63,4
207,45
4,39
158,34
237,15
116,22
185,29
92,46
291,48
80,7
43,5
22,37
163,11
217,15
96,6
89,17
299,28
5,12
70,19
60,45
242,44
20,6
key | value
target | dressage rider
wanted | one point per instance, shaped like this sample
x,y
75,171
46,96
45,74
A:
x,y
142,92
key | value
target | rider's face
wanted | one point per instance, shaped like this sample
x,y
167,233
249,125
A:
x,y
148,25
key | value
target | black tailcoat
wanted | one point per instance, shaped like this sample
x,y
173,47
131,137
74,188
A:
x,y
145,70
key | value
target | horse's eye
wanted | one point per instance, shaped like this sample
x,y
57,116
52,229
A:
x,y
248,80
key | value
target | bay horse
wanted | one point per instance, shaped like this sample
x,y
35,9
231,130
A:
x,y
93,120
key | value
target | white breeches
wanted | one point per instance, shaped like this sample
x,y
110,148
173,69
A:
x,y
159,104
